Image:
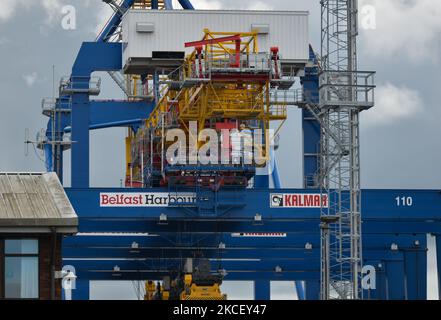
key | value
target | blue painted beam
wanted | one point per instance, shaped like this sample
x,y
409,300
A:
x,y
93,56
395,276
82,289
188,252
312,290
415,266
168,4
263,265
96,56
105,224
234,265
114,22
142,275
113,111
311,127
300,290
381,293
262,290
438,259
377,205
205,240
186,4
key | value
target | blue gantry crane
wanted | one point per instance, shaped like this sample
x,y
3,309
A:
x,y
257,233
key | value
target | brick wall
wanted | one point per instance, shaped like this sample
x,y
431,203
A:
x,y
45,267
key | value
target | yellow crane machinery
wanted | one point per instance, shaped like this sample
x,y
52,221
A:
x,y
196,283
155,291
225,83
194,291
147,4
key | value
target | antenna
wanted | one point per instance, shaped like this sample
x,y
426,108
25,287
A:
x,y
26,142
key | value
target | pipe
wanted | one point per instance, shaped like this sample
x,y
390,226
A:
x,y
168,4
300,290
53,262
186,4
110,125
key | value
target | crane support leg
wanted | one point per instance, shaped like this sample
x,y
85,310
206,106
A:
x,y
312,290
262,290
82,290
395,278
93,56
438,260
416,274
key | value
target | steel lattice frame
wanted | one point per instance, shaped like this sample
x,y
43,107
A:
x,y
340,157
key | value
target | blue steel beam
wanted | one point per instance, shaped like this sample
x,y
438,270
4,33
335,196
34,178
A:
x,y
93,56
278,185
312,290
114,22
415,268
141,275
310,125
378,206
262,290
438,259
206,240
168,4
186,4
114,112
306,269
167,247
152,224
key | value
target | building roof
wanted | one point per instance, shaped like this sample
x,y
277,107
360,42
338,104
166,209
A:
x,y
35,202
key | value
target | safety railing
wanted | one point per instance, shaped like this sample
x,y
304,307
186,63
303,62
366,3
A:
x,y
91,86
228,63
292,97
343,88
51,105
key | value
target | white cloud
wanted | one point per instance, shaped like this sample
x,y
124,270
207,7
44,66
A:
x,y
207,4
393,104
259,5
407,28
53,10
30,79
8,8
103,16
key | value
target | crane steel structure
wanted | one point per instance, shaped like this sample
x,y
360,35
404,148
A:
x,y
344,93
247,233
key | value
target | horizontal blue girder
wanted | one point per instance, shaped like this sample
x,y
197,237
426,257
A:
x,y
207,240
231,225
299,269
377,205
112,112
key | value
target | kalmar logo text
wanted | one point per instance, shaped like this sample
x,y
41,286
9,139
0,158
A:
x,y
299,201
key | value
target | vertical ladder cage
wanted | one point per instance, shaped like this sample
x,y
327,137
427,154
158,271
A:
x,y
344,93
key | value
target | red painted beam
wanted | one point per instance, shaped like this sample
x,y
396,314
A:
x,y
212,41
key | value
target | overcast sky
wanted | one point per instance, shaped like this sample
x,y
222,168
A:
x,y
400,136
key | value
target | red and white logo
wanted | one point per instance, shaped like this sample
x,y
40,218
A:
x,y
298,200
259,235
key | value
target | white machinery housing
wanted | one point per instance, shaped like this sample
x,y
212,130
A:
x,y
156,39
